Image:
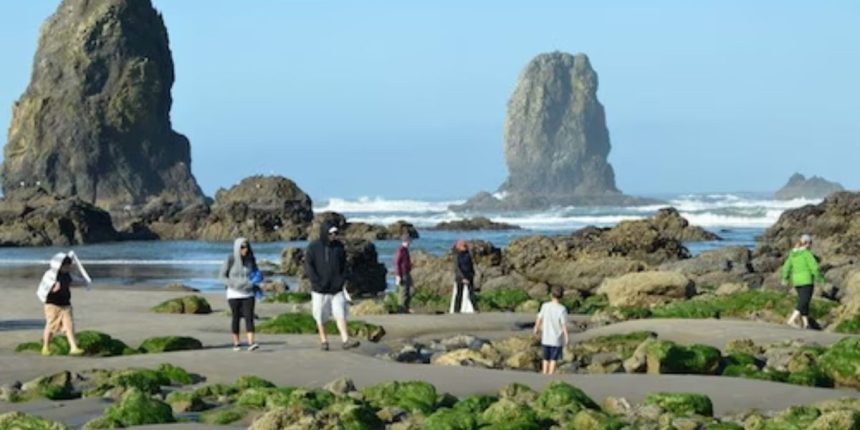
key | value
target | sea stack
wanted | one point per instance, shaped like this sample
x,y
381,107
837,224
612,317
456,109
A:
x,y
799,187
556,142
94,122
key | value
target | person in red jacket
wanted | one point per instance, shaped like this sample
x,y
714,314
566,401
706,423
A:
x,y
402,273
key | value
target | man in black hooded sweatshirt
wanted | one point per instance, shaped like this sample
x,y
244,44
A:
x,y
325,266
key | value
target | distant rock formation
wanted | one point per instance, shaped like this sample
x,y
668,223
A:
x,y
94,123
798,187
472,224
556,142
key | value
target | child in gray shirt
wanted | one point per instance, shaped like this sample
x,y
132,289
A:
x,y
552,322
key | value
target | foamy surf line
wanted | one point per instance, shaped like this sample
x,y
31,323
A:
x,y
121,262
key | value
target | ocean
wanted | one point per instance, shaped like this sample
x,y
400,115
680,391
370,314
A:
x,y
737,217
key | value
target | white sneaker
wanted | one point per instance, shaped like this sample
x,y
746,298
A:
x,y
254,346
237,348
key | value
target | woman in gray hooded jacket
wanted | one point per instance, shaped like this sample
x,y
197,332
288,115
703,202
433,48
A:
x,y
236,274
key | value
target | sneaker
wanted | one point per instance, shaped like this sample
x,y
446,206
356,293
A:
x,y
46,351
237,348
254,346
352,343
324,346
76,351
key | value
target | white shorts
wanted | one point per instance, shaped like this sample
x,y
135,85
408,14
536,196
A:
x,y
323,306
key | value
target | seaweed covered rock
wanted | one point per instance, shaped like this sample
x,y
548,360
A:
x,y
169,343
682,403
842,362
134,409
669,357
297,323
182,401
93,343
412,396
184,305
19,420
59,386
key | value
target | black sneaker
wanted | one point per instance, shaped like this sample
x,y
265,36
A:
x,y
324,346
352,343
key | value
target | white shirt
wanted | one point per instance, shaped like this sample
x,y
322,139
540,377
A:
x,y
553,318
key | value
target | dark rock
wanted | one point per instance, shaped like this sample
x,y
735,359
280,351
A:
x,y
94,123
476,223
798,187
360,230
556,141
834,225
50,221
260,208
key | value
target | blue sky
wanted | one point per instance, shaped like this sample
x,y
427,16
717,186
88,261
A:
x,y
407,99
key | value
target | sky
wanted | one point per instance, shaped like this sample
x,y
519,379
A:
x,y
407,99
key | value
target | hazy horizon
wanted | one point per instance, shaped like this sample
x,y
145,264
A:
x,y
407,101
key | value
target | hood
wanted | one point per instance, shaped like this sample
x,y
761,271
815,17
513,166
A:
x,y
324,232
237,251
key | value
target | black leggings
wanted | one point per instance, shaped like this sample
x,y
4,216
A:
x,y
242,308
804,296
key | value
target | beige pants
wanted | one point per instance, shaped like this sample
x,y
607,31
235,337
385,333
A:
x,y
58,319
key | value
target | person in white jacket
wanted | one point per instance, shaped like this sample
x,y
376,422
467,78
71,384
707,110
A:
x,y
54,291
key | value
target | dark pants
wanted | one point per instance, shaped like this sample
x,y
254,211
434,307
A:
x,y
804,296
405,288
458,300
242,308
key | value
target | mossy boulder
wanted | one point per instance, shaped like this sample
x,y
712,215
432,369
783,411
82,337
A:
x,y
59,386
507,414
351,415
263,398
145,380
251,381
94,344
560,401
451,419
502,299
475,404
411,396
588,419
21,421
621,344
216,391
682,403
288,297
177,375
300,323
134,409
774,306
850,325
184,305
518,393
668,357
223,416
184,401
842,362
169,343
837,420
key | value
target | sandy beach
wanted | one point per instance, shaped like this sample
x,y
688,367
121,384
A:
x,y
295,360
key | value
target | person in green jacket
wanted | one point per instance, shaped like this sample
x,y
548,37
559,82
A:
x,y
801,271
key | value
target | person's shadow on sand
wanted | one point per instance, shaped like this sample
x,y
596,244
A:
x,y
10,325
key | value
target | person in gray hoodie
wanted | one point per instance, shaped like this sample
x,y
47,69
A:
x,y
236,273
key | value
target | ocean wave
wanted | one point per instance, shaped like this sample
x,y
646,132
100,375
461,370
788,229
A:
x,y
380,204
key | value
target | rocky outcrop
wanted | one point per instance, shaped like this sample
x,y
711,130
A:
x,y
43,220
360,230
556,142
647,289
472,224
798,187
94,123
723,266
834,225
260,208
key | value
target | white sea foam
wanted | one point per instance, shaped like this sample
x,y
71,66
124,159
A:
x,y
379,204
706,210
